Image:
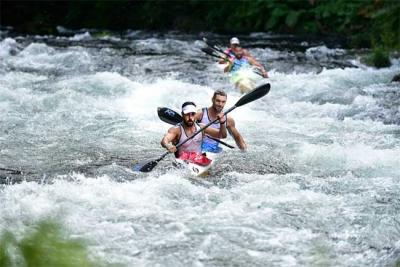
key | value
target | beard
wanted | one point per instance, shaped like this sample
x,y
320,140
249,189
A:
x,y
188,123
218,109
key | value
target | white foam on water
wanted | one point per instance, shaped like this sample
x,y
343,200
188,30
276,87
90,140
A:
x,y
322,52
7,46
334,204
40,57
81,36
132,219
350,157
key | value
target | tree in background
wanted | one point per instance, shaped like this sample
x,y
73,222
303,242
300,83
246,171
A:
x,y
316,17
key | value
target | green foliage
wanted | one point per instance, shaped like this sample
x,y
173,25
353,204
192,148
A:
x,y
5,240
387,25
277,16
292,18
45,246
379,58
364,22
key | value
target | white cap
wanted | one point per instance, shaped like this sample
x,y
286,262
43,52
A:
x,y
189,109
235,40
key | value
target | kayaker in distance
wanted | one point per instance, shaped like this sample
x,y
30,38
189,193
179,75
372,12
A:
x,y
241,61
206,115
233,44
191,150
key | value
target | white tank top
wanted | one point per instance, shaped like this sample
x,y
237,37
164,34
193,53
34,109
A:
x,y
206,120
193,145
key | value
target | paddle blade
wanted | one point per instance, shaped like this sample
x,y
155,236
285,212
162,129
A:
x,y
169,116
255,94
212,45
207,50
145,166
148,166
210,52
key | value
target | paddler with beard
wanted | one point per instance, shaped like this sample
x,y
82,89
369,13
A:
x,y
206,115
191,150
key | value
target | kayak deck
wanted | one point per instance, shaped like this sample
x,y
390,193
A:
x,y
195,169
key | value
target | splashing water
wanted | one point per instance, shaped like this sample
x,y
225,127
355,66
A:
x,y
319,184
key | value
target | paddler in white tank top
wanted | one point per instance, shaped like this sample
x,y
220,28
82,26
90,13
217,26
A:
x,y
206,115
191,150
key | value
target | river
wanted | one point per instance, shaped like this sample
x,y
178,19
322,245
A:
x,y
318,186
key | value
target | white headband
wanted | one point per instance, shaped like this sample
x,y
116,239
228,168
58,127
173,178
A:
x,y
189,109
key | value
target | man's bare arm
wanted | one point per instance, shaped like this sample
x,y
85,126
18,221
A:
x,y
236,135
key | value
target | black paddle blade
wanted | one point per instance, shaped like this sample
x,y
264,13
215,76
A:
x,y
207,50
213,45
148,166
169,116
217,48
145,166
255,94
211,52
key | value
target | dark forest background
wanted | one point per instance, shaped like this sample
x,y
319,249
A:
x,y
364,23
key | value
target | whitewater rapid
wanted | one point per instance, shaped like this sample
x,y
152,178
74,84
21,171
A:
x,y
319,184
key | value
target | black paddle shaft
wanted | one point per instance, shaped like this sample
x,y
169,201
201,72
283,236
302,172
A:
x,y
154,162
205,127
249,97
172,117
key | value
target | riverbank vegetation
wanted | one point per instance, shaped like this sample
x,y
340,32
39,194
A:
x,y
45,245
364,24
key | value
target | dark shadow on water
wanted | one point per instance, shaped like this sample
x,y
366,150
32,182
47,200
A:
x,y
120,169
